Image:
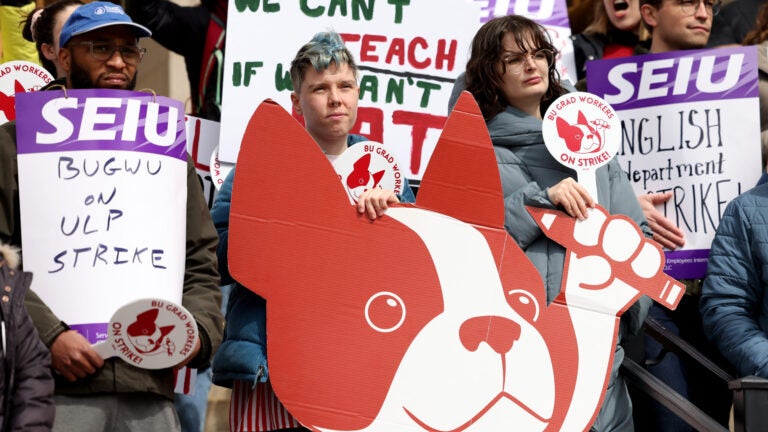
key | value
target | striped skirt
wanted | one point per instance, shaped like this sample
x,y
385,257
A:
x,y
257,409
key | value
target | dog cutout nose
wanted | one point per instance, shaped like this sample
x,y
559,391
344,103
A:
x,y
498,332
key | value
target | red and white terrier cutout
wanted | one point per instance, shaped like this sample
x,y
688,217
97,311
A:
x,y
429,318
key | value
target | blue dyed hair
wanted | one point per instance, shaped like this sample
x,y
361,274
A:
x,y
324,49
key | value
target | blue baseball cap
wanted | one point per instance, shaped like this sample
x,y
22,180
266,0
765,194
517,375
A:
x,y
96,15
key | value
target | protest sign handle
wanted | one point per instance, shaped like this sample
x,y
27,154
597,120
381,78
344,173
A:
x,y
104,349
588,180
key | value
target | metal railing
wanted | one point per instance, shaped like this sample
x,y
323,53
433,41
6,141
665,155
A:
x,y
750,394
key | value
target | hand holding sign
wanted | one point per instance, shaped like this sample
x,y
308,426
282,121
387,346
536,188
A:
x,y
73,357
150,334
582,132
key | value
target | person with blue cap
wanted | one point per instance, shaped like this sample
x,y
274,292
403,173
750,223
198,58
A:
x,y
99,49
89,40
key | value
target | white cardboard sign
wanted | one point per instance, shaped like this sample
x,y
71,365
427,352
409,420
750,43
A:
x,y
103,189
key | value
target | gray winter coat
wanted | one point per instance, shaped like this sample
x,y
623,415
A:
x,y
527,170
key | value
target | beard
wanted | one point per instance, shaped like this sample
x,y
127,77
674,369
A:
x,y
80,79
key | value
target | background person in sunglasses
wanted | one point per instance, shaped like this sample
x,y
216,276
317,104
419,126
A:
x,y
99,49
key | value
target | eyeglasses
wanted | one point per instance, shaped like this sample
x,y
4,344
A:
x,y
515,63
103,51
689,7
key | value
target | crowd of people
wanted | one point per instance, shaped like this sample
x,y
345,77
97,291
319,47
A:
x,y
53,379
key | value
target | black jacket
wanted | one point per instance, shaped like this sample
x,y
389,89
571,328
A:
x,y
590,46
183,30
26,384
733,22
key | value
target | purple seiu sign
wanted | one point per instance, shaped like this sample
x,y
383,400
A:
x,y
675,77
100,120
690,125
545,12
103,189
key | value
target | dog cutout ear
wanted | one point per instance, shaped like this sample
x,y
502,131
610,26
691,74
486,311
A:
x,y
462,178
165,330
295,240
359,175
18,87
582,119
148,316
281,178
570,134
363,163
377,176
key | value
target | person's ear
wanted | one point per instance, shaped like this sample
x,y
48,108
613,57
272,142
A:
x,y
295,103
649,15
48,52
65,59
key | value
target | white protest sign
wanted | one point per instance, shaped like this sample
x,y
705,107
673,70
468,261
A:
x,y
583,133
689,124
19,76
202,146
103,189
150,333
409,55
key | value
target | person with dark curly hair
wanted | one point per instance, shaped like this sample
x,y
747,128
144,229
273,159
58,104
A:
x,y
512,76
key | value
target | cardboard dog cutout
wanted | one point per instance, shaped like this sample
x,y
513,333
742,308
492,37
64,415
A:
x,y
429,318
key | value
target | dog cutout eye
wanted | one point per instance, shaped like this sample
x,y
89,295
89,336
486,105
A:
x,y
524,303
385,312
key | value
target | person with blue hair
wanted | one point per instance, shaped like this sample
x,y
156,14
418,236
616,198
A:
x,y
325,93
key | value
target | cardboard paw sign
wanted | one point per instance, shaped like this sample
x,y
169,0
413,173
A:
x,y
431,317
